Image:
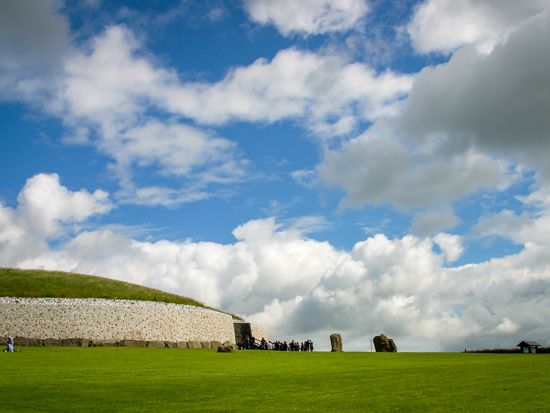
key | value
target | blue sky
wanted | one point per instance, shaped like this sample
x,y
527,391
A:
x,y
350,165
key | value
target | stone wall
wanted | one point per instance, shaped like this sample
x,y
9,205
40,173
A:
x,y
259,332
112,320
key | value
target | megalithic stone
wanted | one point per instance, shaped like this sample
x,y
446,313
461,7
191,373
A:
x,y
384,344
336,342
381,343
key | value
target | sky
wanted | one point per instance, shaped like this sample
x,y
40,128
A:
x,y
315,166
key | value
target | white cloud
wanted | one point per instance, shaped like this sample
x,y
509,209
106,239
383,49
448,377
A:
x,y
45,205
445,25
116,97
465,124
451,246
307,16
46,210
497,102
530,225
377,168
507,326
113,85
433,220
111,88
329,94
301,288
309,224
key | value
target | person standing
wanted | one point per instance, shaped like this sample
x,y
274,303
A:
x,y
10,348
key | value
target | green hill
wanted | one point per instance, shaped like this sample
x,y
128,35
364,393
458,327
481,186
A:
x,y
57,284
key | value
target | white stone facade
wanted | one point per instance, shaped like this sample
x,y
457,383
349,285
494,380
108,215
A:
x,y
259,332
101,319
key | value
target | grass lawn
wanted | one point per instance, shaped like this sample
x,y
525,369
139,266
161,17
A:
x,y
55,379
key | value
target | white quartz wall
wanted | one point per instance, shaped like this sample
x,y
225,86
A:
x,y
259,332
100,319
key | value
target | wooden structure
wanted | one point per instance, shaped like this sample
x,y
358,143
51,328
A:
x,y
528,347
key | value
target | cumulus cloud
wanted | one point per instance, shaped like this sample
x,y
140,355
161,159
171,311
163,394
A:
x,y
46,210
33,41
113,86
433,220
302,288
326,92
379,168
108,91
530,225
44,204
113,95
445,25
307,16
110,88
451,246
466,126
497,102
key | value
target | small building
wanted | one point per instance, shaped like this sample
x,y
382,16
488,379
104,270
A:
x,y
528,346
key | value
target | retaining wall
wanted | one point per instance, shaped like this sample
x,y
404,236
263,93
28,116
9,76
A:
x,y
112,320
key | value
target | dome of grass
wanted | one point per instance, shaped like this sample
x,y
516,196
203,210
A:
x,y
58,284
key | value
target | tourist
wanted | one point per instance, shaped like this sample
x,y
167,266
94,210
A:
x,y
9,347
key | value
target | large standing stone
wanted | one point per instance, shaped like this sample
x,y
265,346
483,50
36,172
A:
x,y
383,344
336,342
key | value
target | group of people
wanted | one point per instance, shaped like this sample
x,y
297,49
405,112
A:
x,y
9,346
251,343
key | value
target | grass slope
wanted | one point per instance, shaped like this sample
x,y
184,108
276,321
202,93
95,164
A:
x,y
50,379
39,283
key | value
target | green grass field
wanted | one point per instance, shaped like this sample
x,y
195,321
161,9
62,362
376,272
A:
x,y
54,379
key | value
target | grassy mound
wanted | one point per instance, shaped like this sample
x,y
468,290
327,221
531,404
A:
x,y
57,284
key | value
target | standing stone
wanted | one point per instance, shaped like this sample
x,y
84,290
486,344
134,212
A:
x,y
336,342
383,344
